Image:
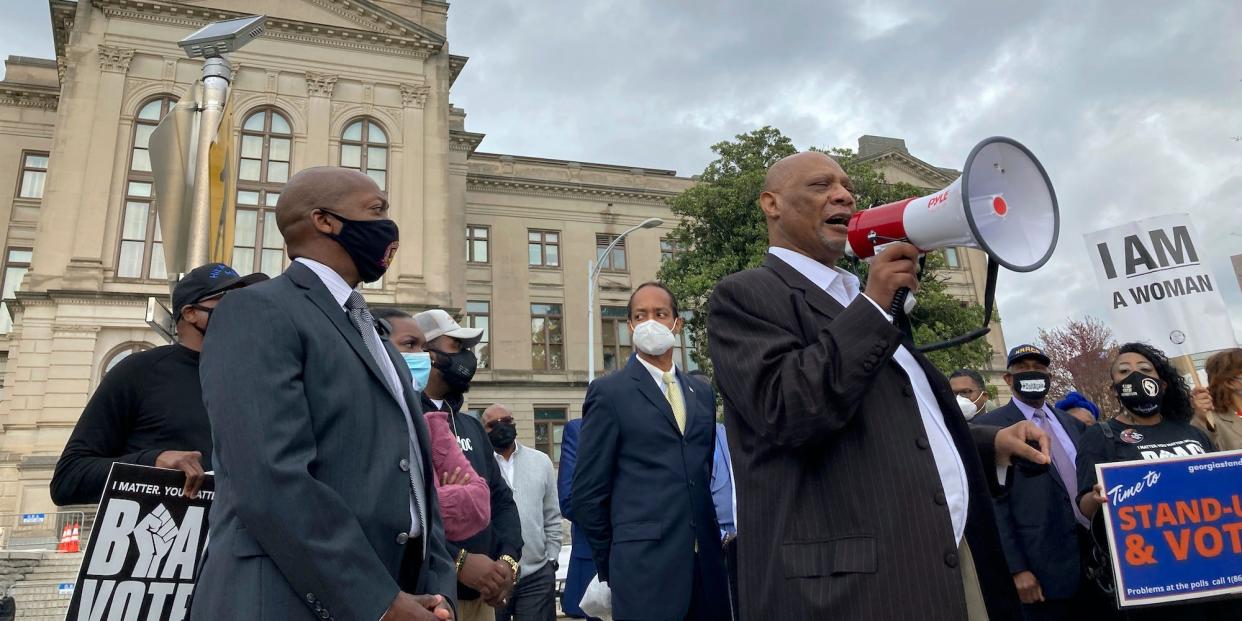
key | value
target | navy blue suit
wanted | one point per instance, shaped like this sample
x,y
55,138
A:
x,y
642,495
1036,521
581,567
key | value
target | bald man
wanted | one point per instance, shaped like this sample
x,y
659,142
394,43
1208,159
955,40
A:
x,y
325,506
530,475
861,492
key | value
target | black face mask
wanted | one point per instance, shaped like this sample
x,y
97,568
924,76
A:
x,y
201,309
456,369
1031,385
370,243
1141,394
502,436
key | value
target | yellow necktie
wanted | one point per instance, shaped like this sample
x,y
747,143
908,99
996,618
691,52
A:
x,y
673,394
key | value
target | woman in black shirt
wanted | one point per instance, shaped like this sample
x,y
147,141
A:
x,y
1154,424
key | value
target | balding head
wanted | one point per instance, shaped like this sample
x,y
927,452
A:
x,y
321,187
496,411
807,200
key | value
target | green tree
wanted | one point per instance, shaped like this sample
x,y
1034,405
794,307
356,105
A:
x,y
722,231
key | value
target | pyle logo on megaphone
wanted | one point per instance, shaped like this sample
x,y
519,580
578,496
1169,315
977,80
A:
x,y
1003,204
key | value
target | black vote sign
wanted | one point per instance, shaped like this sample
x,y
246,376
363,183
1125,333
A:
x,y
145,550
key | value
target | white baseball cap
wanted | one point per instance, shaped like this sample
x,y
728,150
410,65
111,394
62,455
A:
x,y
436,323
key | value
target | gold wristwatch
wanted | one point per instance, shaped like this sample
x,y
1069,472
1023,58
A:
x,y
513,564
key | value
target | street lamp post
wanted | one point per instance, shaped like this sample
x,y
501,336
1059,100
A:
x,y
592,277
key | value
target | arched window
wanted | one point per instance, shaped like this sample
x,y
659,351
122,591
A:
x,y
141,253
263,167
120,353
364,147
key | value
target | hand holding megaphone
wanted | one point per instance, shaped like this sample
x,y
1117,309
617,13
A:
x,y
894,268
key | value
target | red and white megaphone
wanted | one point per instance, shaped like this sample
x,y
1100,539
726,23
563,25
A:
x,y
1003,204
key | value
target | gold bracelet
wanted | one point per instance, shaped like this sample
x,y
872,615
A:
x,y
461,559
513,564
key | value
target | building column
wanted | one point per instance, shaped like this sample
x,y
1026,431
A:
x,y
412,205
319,89
437,225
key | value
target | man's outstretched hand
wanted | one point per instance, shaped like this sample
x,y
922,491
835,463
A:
x,y
1011,444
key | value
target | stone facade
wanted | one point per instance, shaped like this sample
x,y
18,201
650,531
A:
x,y
332,82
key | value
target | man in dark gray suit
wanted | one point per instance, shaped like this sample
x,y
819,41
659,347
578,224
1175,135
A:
x,y
861,493
325,505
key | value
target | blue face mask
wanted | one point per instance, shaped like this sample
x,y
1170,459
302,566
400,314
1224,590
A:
x,y
420,368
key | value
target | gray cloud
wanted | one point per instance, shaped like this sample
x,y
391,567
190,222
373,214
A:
x,y
1130,106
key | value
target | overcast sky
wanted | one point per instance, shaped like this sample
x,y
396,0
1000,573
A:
x,y
1133,108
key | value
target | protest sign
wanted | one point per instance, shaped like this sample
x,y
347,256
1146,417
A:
x,y
1174,527
147,544
1159,287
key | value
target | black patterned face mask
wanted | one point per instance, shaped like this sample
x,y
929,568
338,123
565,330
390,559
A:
x,y
1141,394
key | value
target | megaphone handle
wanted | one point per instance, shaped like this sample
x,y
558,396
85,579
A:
x,y
898,307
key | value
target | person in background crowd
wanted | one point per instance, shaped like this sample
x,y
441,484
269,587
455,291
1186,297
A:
x,y
324,505
465,500
722,473
969,384
1154,424
1038,517
867,493
148,410
642,489
581,567
1080,407
529,474
1218,409
487,564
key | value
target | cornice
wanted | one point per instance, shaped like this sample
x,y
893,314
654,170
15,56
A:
x,y
377,18
84,298
464,141
29,96
416,44
456,64
914,165
63,13
536,187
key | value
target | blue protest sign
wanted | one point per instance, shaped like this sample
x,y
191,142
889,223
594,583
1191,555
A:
x,y
1175,527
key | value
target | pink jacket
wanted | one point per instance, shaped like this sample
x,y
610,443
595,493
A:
x,y
466,509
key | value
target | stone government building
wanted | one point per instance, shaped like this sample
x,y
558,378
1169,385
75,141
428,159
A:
x,y
503,240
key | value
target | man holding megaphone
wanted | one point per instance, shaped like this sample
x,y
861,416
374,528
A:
x,y
871,492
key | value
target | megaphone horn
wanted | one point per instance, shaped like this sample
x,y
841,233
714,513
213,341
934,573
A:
x,y
1003,204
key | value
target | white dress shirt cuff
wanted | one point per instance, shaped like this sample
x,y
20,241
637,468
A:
x,y
878,307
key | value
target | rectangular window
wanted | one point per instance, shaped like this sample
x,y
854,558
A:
x,y
547,339
668,249
476,243
685,347
544,248
479,315
951,259
34,174
141,254
614,337
17,263
549,428
257,243
615,260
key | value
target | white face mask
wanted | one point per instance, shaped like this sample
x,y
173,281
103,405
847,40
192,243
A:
x,y
653,338
967,406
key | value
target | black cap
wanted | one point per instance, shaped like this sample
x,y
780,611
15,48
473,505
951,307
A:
x,y
206,281
1027,351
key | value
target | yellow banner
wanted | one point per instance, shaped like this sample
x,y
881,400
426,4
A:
x,y
223,177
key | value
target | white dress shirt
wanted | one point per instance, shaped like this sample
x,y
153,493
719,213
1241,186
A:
x,y
658,376
843,287
340,291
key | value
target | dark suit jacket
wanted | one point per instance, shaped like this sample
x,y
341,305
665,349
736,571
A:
x,y
312,491
1035,517
642,495
582,567
833,465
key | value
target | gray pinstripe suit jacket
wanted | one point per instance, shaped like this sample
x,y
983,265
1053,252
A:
x,y
841,513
